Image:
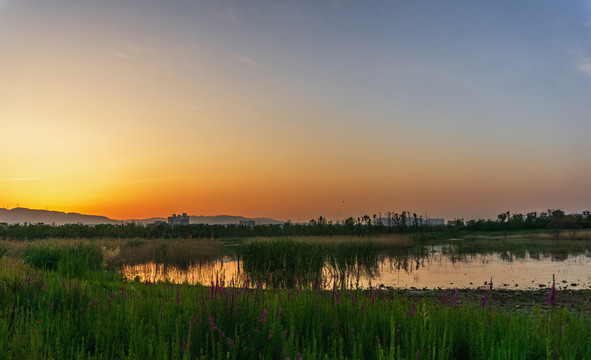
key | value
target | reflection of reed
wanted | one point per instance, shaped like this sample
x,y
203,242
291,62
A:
x,y
419,267
200,273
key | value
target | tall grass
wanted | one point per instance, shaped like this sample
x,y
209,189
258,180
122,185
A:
x,y
68,260
64,314
288,262
181,253
49,316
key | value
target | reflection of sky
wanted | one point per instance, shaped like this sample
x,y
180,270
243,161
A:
x,y
437,271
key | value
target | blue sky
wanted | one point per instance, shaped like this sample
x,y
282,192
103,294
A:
x,y
456,109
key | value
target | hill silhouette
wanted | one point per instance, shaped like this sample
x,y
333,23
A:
x,y
21,215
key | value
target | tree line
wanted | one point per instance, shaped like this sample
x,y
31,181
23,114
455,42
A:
x,y
392,223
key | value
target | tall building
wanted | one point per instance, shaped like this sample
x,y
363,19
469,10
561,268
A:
x,y
178,219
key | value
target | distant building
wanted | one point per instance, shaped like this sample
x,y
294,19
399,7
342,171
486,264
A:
x,y
410,221
435,222
156,223
247,223
178,219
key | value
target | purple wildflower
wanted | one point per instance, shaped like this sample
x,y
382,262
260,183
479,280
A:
x,y
411,311
263,318
28,280
484,298
280,313
230,343
490,285
418,354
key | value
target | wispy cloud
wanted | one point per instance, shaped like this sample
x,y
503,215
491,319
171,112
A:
x,y
22,179
247,60
584,65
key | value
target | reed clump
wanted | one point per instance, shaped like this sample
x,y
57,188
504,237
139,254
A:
x,y
69,260
181,253
286,262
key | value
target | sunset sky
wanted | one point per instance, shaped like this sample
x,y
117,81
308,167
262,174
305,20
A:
x,y
295,109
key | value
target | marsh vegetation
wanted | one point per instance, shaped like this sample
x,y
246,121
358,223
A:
x,y
65,299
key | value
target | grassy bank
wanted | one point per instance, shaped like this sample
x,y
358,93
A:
x,y
46,315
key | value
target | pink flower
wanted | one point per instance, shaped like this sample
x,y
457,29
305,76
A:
x,y
484,298
263,318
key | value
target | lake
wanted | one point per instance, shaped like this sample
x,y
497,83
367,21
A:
x,y
454,264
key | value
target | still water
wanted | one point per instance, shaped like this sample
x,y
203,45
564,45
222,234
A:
x,y
421,268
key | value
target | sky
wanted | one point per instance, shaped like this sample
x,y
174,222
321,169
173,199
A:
x,y
295,109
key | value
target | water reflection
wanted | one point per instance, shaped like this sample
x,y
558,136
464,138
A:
x,y
198,273
436,266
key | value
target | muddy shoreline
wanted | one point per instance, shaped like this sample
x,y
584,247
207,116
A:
x,y
508,300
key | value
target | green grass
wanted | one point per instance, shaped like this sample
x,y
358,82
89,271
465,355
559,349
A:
x,y
46,315
70,260
60,311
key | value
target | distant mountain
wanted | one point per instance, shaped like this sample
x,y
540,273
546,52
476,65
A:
x,y
22,215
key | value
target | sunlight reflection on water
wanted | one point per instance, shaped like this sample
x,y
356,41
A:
x,y
436,270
